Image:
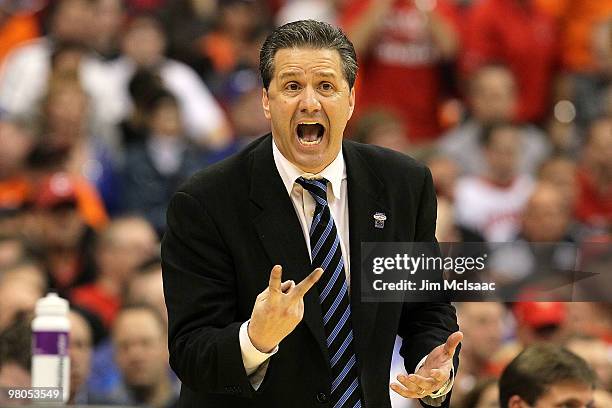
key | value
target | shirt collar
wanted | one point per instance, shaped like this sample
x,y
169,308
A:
x,y
334,173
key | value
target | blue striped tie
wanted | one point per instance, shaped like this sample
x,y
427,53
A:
x,y
333,295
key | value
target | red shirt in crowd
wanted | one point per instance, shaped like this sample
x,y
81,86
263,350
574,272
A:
x,y
400,70
593,206
518,34
95,299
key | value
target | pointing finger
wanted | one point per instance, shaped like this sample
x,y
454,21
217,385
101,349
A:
x,y
275,278
452,342
308,282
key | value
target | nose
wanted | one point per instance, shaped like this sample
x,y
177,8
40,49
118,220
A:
x,y
309,103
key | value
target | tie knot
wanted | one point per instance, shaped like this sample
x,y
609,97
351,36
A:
x,y
316,187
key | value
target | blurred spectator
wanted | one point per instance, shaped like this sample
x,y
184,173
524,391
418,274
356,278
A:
x,y
383,128
540,321
579,20
482,324
17,26
68,143
564,136
596,353
544,252
110,16
67,211
445,172
186,21
229,46
142,87
591,319
16,296
400,44
536,322
143,46
79,349
320,10
594,206
547,376
17,141
560,171
546,217
13,249
247,117
26,72
585,49
491,203
146,287
141,352
155,168
29,271
15,357
520,35
119,249
492,97
485,394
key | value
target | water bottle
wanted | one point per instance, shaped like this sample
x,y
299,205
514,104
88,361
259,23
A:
x,y
50,359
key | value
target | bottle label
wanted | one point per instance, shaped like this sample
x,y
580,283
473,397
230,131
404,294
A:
x,y
50,343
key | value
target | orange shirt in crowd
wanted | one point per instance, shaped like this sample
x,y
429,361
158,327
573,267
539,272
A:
x,y
14,192
578,19
17,30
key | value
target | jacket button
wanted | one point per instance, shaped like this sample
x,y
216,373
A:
x,y
322,398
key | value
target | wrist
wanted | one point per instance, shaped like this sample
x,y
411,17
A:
x,y
261,346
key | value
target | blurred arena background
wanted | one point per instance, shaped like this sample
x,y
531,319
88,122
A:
x,y
106,106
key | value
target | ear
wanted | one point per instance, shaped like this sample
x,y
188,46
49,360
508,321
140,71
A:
x,y
351,102
265,102
516,402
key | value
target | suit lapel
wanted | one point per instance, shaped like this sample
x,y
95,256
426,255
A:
x,y
278,226
365,198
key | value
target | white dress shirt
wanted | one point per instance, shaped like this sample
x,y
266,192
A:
x,y
256,362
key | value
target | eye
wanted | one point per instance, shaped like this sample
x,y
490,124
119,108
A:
x,y
326,86
292,86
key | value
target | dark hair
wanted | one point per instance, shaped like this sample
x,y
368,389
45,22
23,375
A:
x,y
537,368
159,98
141,306
488,130
16,343
472,398
309,34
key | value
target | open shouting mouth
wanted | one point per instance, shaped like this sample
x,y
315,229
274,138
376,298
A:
x,y
310,133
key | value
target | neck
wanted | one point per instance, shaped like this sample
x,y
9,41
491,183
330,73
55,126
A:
x,y
156,396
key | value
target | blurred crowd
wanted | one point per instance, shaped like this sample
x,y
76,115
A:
x,y
106,106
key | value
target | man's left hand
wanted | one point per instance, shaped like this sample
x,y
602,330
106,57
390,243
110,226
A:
x,y
434,372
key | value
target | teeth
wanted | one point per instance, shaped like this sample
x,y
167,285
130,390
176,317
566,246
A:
x,y
305,143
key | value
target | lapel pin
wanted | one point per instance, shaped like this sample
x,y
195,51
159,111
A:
x,y
379,220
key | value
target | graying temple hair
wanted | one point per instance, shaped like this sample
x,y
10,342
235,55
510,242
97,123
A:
x,y
312,34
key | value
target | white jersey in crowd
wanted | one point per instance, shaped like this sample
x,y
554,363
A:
x,y
489,209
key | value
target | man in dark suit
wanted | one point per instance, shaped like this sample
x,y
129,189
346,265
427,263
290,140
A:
x,y
293,201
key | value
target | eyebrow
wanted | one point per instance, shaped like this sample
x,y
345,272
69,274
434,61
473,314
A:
x,y
293,74
289,74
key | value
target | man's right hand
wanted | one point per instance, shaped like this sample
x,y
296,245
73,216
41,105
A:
x,y
278,309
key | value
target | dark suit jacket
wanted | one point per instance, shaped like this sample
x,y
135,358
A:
x,y
229,224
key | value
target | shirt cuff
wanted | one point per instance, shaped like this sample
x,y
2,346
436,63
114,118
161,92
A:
x,y
435,399
251,357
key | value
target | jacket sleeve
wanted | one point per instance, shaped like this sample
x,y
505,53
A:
x,y
200,292
426,325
